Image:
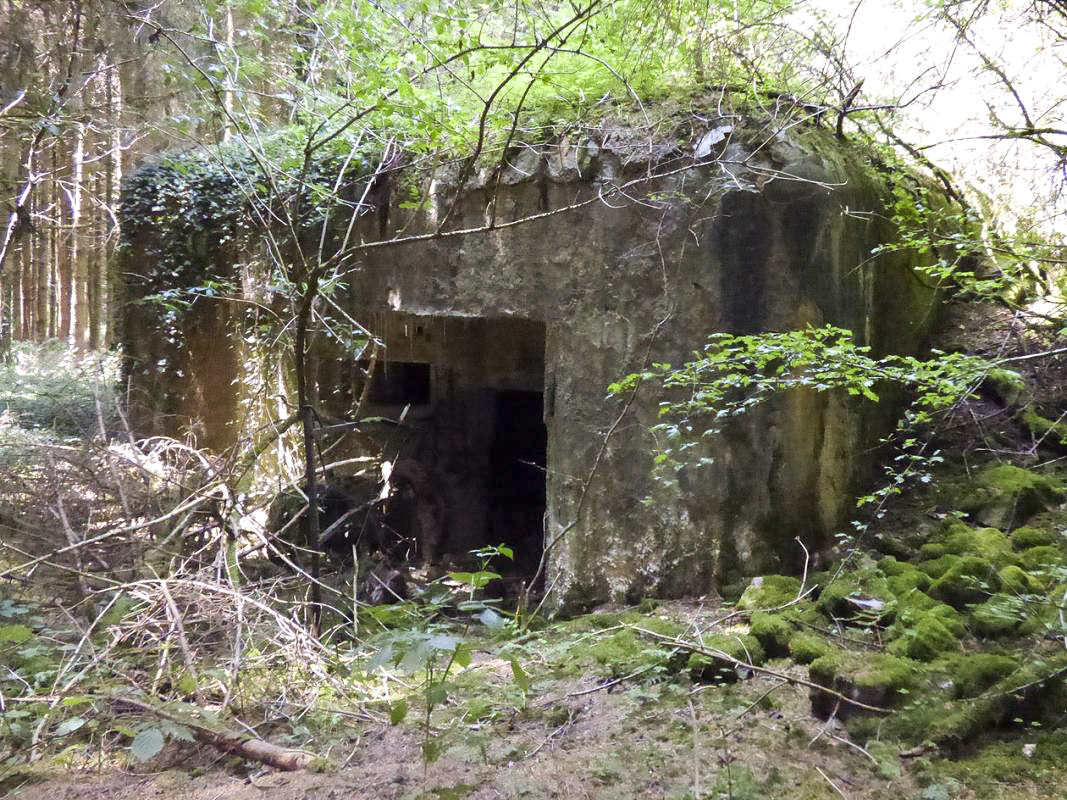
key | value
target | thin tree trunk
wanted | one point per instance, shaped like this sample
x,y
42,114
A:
x,y
79,283
93,260
26,290
64,263
227,95
42,272
53,212
113,167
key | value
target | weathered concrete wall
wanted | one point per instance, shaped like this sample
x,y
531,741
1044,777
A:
x,y
771,234
744,243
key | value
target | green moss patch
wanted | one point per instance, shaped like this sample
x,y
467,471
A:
x,y
773,632
926,638
1006,496
707,667
972,674
1024,538
1037,558
1042,429
1007,386
769,591
1016,580
805,647
863,590
1000,615
968,580
625,652
963,540
875,679
936,567
1032,692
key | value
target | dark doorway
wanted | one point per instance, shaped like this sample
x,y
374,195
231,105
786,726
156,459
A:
x,y
517,458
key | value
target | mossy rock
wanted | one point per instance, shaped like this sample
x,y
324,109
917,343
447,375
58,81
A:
x,y
896,545
1005,496
902,577
891,567
625,652
1000,615
936,567
875,679
652,622
866,585
1024,538
708,668
1033,692
963,540
1037,558
1016,580
773,632
901,585
769,591
1043,429
805,647
1007,386
925,639
972,674
969,580
912,606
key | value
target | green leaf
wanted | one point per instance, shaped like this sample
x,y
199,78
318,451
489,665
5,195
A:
x,y
380,659
175,731
431,750
436,693
463,657
147,744
397,712
491,619
68,726
522,680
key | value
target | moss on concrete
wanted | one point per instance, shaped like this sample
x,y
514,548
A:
x,y
769,591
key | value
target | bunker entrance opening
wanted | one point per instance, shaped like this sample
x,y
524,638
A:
x,y
468,443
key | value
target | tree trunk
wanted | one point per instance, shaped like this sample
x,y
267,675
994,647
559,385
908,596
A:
x,y
113,179
42,271
79,334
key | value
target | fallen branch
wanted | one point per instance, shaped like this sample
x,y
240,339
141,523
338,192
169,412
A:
x,y
229,742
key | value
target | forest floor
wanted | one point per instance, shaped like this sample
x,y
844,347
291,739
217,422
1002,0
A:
x,y
581,733
926,661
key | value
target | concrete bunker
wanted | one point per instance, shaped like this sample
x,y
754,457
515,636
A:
x,y
491,320
464,400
